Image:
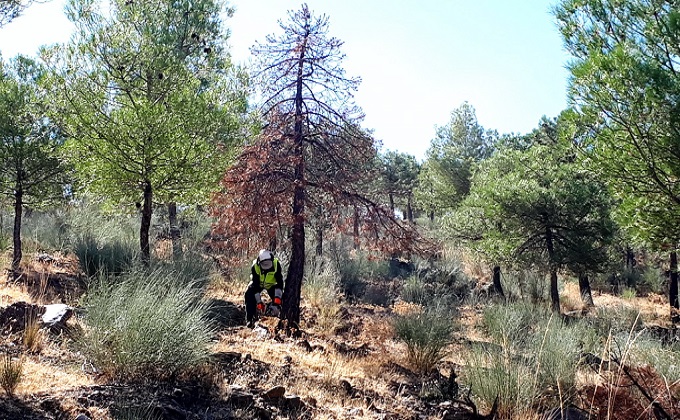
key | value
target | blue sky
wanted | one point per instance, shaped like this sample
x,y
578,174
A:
x,y
418,59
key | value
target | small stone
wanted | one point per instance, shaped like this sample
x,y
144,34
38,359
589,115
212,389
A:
x,y
82,417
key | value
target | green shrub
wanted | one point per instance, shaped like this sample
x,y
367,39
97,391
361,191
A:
x,y
415,290
5,242
664,359
628,293
616,320
491,374
511,325
104,258
526,285
321,288
536,351
322,285
557,348
148,325
377,294
653,281
190,266
135,413
426,334
46,230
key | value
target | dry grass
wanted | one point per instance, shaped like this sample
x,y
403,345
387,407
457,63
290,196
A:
x,y
321,374
11,373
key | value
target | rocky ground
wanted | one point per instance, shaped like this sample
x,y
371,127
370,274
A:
x,y
354,371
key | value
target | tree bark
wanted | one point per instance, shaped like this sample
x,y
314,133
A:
x,y
673,289
319,241
18,209
554,292
409,208
630,258
498,288
584,289
356,229
391,197
293,286
174,230
145,225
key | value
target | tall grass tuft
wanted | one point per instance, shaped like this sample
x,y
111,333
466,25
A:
x,y
112,257
426,333
491,374
415,290
321,289
534,352
616,320
148,325
11,371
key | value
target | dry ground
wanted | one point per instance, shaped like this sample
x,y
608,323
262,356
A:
x,y
356,371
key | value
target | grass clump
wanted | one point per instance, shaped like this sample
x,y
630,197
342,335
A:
x,y
534,356
11,371
148,325
616,320
33,335
414,290
491,374
321,289
112,257
426,334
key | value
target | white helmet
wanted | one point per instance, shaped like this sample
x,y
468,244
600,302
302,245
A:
x,y
265,255
265,259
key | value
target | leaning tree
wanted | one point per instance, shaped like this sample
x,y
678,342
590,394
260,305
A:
x,y
312,158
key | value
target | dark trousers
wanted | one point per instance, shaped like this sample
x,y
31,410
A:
x,y
251,303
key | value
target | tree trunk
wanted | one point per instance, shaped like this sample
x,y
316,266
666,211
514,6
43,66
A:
x,y
18,208
145,226
554,292
319,241
498,288
391,196
356,229
409,208
296,269
174,230
630,258
673,289
584,288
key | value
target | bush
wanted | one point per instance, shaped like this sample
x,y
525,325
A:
x,y
321,288
426,334
536,351
148,325
526,285
664,359
510,325
46,230
5,242
491,374
653,281
616,320
104,258
415,290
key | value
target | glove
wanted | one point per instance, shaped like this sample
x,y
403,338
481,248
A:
x,y
260,307
277,301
